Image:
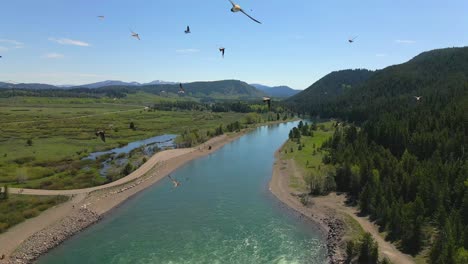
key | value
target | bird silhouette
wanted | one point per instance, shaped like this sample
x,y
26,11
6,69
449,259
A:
x,y
101,17
174,181
135,35
351,40
101,134
181,89
418,98
222,51
187,31
268,101
237,8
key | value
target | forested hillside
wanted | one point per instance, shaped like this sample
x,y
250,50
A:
x,y
403,160
327,89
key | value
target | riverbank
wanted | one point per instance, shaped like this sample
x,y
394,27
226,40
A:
x,y
331,213
27,241
328,220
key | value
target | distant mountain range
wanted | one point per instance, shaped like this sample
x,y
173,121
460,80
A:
x,y
276,91
120,83
39,86
35,86
225,89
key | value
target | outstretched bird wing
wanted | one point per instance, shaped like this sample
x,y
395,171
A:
x,y
232,3
250,16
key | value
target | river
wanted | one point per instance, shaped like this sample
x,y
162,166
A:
x,y
222,213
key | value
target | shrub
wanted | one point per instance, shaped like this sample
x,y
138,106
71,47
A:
x,y
30,213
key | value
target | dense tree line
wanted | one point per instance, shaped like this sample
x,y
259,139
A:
x,y
111,92
404,163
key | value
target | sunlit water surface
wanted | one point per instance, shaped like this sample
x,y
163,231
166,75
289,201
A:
x,y
222,213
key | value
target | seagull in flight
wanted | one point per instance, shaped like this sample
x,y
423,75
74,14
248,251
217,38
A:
x,y
101,17
237,8
101,134
418,98
175,182
135,35
351,40
187,31
181,89
267,100
222,51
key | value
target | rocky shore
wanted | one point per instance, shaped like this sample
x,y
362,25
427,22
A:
x,y
335,234
48,238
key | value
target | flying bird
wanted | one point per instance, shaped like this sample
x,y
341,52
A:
x,y
267,100
135,35
181,89
175,182
351,40
101,17
237,8
101,134
222,51
187,31
418,98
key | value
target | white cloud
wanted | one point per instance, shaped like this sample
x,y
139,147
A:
x,y
404,41
65,41
185,51
53,55
381,55
10,44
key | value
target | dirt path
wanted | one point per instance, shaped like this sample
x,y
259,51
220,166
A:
x,y
387,249
326,207
102,199
19,233
158,158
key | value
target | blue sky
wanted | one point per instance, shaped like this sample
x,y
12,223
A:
x,y
300,41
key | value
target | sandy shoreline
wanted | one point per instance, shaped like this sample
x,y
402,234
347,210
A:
x,y
34,237
328,212
327,220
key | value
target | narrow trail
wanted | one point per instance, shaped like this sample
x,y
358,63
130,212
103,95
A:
x,y
328,206
159,157
387,249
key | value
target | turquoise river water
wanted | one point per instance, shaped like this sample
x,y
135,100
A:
x,y
222,213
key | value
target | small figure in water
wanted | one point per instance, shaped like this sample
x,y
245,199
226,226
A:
x,y
175,182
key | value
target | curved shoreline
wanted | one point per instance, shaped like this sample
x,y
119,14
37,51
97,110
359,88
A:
x,y
27,241
328,212
328,223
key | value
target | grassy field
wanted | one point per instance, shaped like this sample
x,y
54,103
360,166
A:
x,y
308,158
21,207
61,132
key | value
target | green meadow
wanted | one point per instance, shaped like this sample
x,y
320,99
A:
x,y
308,155
21,207
43,139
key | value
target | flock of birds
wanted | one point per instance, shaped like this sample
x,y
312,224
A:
x,y
235,8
